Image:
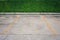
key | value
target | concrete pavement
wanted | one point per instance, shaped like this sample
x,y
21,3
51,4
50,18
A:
x,y
29,27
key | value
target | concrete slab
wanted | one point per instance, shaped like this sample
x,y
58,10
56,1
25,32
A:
x,y
5,20
2,27
29,25
3,37
32,37
55,22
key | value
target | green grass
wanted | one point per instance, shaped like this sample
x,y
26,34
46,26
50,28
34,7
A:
x,y
30,6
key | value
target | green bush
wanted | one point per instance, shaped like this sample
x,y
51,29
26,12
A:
x,y
30,5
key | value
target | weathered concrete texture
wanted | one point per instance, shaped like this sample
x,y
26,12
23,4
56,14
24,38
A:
x,y
32,37
29,27
29,37
55,22
6,19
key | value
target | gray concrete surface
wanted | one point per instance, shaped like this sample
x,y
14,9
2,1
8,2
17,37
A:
x,y
29,27
55,22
